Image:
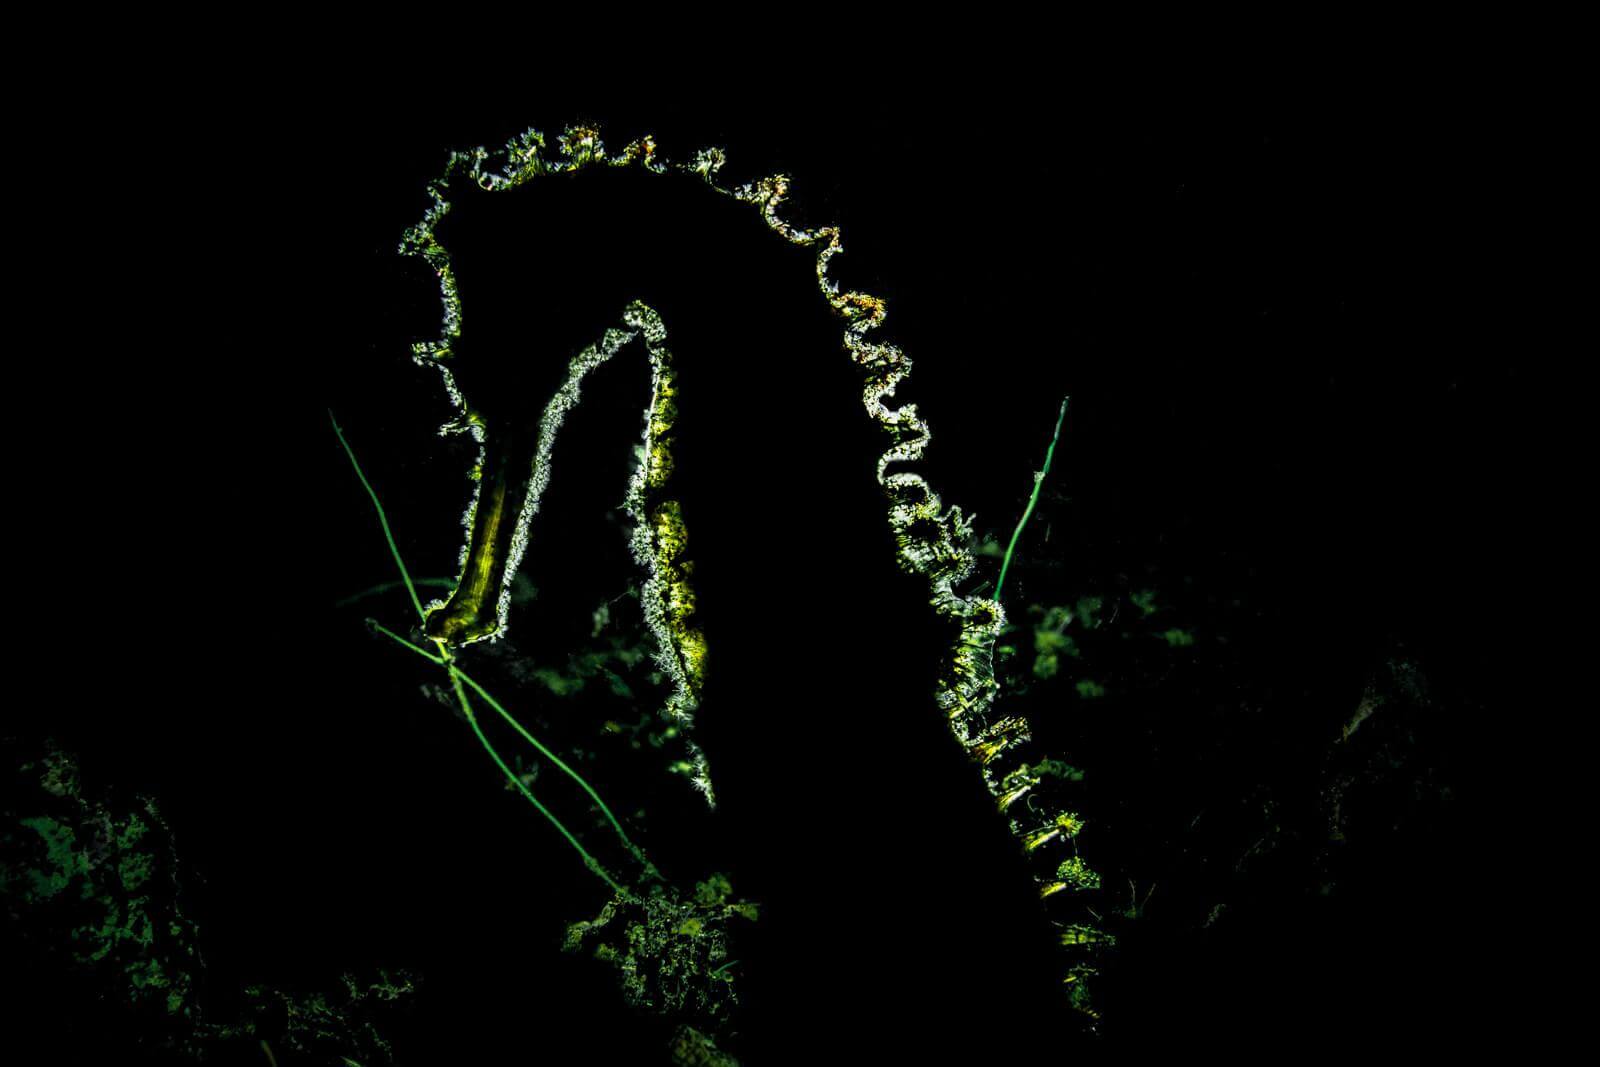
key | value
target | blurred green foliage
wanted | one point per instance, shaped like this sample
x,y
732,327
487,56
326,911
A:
x,y
92,889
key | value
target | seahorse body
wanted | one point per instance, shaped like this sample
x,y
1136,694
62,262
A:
x,y
931,540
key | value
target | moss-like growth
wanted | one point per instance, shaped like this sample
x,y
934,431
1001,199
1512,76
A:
x,y
93,886
671,950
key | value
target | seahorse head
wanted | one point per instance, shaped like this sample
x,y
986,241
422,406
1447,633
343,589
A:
x,y
587,239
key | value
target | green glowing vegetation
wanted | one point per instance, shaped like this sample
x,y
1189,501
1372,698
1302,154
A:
x,y
1073,874
101,866
318,1025
97,887
670,948
1051,642
1178,638
1033,500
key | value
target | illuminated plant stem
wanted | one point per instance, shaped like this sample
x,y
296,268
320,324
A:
x,y
382,518
456,678
456,672
632,848
472,720
1027,512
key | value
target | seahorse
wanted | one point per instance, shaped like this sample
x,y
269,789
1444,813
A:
x,y
931,540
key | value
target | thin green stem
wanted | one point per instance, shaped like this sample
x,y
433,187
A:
x,y
382,518
1038,480
561,764
472,720
424,653
457,672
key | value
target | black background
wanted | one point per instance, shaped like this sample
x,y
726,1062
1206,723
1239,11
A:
x,y
1274,362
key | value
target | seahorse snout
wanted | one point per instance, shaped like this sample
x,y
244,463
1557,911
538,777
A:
x,y
473,611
